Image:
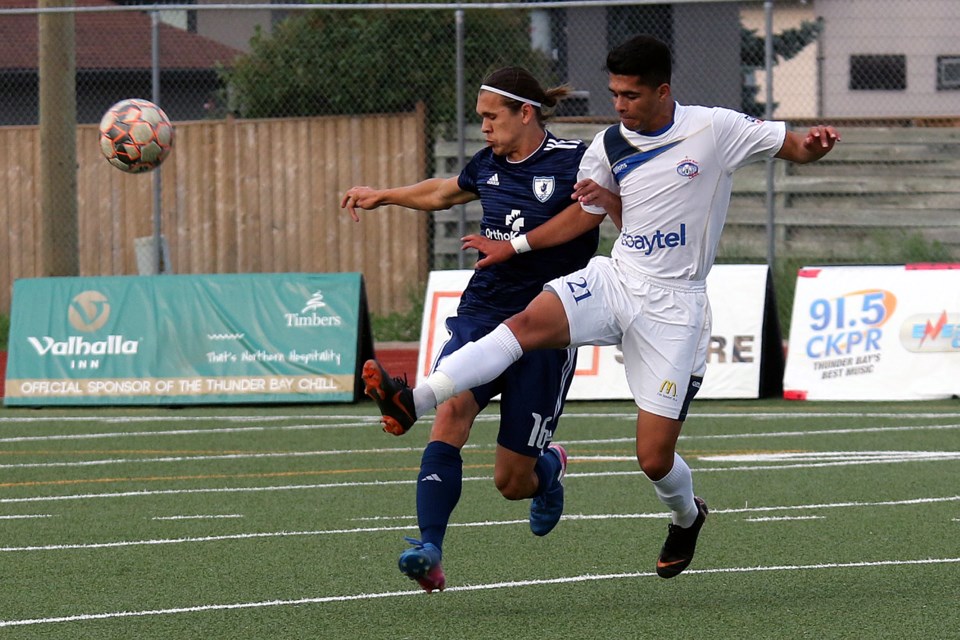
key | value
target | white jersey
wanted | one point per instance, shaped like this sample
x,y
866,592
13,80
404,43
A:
x,y
675,186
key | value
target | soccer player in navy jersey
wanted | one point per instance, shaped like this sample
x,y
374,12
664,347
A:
x,y
523,177
672,167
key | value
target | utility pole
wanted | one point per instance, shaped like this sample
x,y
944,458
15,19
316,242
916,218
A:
x,y
58,141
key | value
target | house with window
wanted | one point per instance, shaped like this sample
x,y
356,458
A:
x,y
872,59
908,54
113,62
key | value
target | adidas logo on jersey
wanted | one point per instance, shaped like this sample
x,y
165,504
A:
x,y
494,180
432,478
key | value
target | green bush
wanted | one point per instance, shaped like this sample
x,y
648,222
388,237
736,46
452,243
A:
x,y
4,332
403,326
877,248
353,62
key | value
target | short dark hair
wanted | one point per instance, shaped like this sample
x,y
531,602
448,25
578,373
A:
x,y
642,56
520,82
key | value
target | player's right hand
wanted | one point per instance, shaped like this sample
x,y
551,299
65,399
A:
x,y
359,197
493,251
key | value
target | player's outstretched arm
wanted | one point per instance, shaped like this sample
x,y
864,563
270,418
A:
x,y
432,194
563,227
817,142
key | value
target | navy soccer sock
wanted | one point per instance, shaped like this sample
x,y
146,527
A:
x,y
547,470
438,490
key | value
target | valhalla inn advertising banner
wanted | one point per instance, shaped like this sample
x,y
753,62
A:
x,y
197,339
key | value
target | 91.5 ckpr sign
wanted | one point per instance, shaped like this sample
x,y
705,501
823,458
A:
x,y
875,333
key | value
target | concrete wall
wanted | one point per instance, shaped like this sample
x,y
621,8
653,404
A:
x,y
919,29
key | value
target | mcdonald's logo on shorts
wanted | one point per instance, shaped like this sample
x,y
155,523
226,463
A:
x,y
668,389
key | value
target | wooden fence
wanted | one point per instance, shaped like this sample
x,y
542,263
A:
x,y
238,196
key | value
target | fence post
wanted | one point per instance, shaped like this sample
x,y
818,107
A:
x,y
461,128
58,141
159,264
768,115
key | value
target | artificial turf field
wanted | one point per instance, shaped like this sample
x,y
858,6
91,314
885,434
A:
x,y
827,520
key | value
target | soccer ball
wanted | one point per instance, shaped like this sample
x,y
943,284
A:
x,y
135,135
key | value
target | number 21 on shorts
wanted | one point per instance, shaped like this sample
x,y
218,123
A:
x,y
579,290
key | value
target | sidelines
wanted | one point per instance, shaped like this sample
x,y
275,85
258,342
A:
x,y
496,523
466,588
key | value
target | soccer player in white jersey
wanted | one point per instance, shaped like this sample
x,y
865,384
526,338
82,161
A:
x,y
672,166
523,178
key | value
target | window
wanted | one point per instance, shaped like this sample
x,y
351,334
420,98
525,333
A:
x,y
948,73
878,73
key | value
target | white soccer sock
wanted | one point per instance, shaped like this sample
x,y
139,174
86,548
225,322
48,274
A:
x,y
474,364
424,399
675,490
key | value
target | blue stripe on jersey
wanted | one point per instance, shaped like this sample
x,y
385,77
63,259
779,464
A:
x,y
623,156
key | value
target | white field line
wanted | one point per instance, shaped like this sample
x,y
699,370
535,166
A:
x,y
466,588
832,456
485,417
381,483
174,418
27,516
495,523
183,432
224,456
200,517
361,422
781,519
378,450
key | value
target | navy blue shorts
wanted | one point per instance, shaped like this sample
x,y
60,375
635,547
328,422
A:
x,y
532,390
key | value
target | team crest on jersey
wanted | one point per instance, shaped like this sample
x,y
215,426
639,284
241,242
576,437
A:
x,y
543,188
688,168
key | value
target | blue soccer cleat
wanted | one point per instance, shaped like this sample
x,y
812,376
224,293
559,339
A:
x,y
546,509
422,563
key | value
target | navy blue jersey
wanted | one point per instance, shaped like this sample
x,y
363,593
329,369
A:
x,y
517,197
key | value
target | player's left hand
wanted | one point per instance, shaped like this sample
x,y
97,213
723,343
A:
x,y
494,251
589,192
820,139
359,198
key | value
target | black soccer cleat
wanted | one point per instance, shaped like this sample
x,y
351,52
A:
x,y
393,396
677,551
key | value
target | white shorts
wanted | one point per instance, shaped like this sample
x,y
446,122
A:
x,y
662,325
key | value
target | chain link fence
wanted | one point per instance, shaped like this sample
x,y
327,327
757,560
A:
x,y
248,83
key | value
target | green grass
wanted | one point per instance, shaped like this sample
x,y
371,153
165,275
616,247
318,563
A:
x,y
823,545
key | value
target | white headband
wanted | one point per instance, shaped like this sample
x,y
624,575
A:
x,y
486,87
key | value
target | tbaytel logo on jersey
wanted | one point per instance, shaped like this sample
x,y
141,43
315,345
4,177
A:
x,y
657,240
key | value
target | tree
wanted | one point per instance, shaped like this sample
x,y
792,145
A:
x,y
753,56
354,62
